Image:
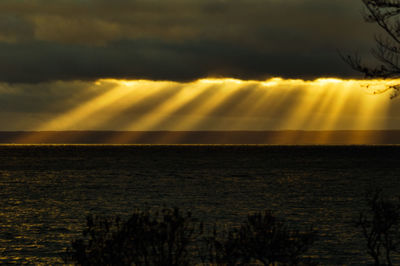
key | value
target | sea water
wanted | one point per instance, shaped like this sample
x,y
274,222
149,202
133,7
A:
x,y
46,191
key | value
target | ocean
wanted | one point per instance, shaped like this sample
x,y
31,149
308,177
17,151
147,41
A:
x,y
46,191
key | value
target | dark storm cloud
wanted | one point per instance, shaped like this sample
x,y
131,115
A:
x,y
43,61
47,97
14,28
177,40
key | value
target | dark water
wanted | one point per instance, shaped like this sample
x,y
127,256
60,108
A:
x,y
47,191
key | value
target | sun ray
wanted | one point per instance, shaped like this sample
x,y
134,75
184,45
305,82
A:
x,y
82,112
299,111
218,91
139,92
224,89
154,117
150,120
119,95
229,104
334,113
187,112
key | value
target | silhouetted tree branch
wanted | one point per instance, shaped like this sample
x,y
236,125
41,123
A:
x,y
164,237
168,237
380,226
261,239
385,13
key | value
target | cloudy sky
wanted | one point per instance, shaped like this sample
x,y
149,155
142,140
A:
x,y
178,40
71,64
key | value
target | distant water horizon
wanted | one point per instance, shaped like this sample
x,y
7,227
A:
x,y
281,137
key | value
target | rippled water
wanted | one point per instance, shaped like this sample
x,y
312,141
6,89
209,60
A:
x,y
47,191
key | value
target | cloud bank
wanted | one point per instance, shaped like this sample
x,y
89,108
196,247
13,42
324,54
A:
x,y
178,40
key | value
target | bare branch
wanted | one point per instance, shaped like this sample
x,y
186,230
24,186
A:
x,y
386,14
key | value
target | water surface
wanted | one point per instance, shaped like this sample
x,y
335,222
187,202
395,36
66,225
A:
x,y
47,190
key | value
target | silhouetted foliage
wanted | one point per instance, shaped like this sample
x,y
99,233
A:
x,y
385,13
169,238
159,238
380,226
262,238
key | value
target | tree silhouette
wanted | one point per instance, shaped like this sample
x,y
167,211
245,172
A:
x,y
262,239
170,238
380,227
384,13
147,238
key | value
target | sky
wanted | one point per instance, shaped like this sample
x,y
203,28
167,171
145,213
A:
x,y
187,65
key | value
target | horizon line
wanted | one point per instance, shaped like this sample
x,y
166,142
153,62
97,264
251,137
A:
x,y
240,130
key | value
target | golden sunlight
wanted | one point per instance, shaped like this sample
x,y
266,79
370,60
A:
x,y
230,104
